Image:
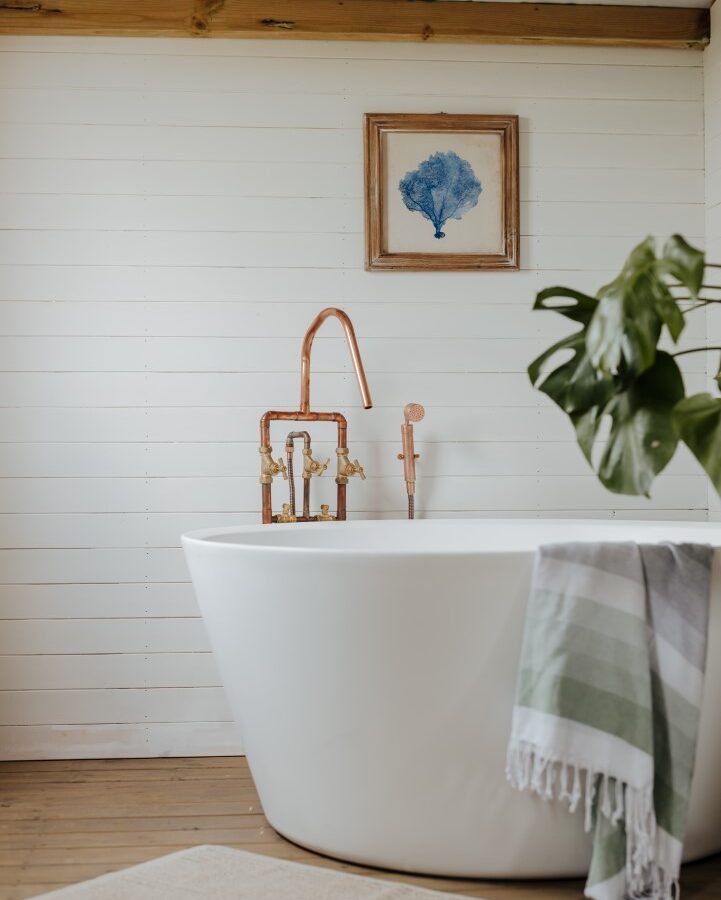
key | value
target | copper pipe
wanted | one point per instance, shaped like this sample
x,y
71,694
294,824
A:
x,y
354,352
267,508
282,415
298,416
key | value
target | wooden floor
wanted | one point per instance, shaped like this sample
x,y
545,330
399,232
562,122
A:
x,y
65,821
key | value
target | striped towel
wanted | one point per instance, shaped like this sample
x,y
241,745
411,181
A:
x,y
607,702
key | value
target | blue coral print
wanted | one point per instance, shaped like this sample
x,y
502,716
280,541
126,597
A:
x,y
443,187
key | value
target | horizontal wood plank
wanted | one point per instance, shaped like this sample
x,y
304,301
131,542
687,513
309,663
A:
x,y
331,389
108,671
479,493
93,741
369,20
73,460
614,114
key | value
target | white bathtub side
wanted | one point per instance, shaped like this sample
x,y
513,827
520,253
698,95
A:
x,y
374,694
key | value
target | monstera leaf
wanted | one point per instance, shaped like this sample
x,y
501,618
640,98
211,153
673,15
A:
x,y
632,309
684,263
643,439
612,370
697,420
581,310
574,385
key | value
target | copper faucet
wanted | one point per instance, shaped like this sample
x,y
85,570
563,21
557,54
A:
x,y
354,353
346,469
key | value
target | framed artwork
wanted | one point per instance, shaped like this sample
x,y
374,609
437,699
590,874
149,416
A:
x,y
441,191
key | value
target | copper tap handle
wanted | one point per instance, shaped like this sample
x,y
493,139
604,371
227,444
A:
x,y
317,468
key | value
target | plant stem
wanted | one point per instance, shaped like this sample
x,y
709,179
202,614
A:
x,y
696,350
700,305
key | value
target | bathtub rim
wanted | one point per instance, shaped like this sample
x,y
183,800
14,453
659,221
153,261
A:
x,y
213,537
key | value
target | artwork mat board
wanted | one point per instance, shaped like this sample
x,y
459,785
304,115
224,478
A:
x,y
486,237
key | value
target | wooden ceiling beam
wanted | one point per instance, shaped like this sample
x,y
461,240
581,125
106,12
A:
x,y
364,20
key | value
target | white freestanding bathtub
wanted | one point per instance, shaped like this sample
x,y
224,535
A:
x,y
371,668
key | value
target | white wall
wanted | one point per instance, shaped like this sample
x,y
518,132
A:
x,y
174,214
712,117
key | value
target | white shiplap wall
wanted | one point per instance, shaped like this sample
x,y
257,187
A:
x,y
174,213
712,118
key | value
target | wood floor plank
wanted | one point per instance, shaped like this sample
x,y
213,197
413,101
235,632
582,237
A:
x,y
138,838
50,795
100,776
118,765
131,776
127,823
64,821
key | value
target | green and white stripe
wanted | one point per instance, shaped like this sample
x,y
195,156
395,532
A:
x,y
607,701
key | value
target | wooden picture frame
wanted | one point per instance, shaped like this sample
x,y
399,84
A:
x,y
400,218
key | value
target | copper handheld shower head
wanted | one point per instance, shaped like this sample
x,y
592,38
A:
x,y
413,412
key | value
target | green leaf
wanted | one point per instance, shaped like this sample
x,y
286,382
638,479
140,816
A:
x,y
643,438
697,420
574,385
587,425
579,311
625,328
664,302
613,367
626,325
684,262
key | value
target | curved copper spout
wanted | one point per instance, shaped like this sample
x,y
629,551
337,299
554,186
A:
x,y
354,352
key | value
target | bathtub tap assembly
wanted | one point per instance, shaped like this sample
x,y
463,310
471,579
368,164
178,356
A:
x,y
413,412
345,468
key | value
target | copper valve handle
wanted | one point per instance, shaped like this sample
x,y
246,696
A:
x,y
325,515
313,466
286,515
357,470
346,468
269,468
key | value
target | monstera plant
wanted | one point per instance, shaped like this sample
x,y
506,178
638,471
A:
x,y
624,396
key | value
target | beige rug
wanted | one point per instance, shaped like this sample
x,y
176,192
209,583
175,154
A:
x,y
220,873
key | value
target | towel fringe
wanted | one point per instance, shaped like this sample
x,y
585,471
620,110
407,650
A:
x,y
530,768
